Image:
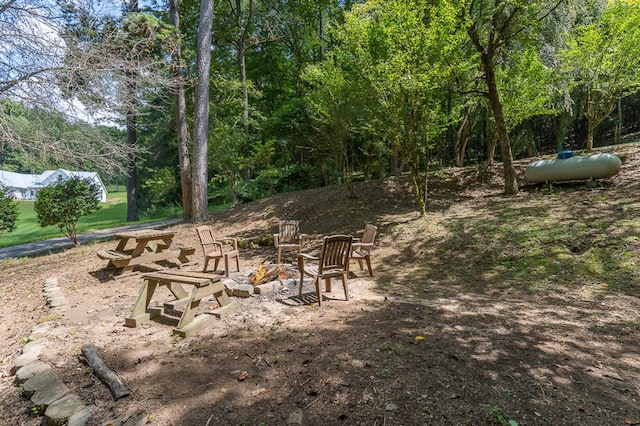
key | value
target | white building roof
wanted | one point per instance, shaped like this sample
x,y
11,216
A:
x,y
27,181
19,180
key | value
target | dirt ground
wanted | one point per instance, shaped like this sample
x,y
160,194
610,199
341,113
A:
x,y
411,347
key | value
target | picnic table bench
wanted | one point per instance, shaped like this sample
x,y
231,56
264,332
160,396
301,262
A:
x,y
148,246
203,285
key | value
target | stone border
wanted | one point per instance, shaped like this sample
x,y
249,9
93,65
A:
x,y
48,394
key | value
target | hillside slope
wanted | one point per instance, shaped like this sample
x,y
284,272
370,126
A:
x,y
489,309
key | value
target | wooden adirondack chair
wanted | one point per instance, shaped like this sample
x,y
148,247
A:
x,y
332,263
226,248
288,237
361,248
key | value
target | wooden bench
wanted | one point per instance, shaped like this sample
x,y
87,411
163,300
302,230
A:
x,y
113,255
126,261
116,258
203,285
184,251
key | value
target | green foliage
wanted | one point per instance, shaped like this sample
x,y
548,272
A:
x,y
147,29
527,87
161,187
231,138
38,140
395,349
334,94
498,416
387,81
603,59
62,204
8,210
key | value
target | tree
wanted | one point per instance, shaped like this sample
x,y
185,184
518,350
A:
x,y
33,139
201,114
228,139
184,158
132,138
603,58
64,202
115,65
238,20
8,210
500,30
336,108
389,73
32,58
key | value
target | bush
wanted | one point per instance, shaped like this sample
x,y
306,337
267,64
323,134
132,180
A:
x,y
64,202
8,210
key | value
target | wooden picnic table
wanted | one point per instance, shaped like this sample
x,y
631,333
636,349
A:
x,y
144,246
203,285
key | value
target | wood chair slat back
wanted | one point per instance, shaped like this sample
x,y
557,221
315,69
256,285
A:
x,y
205,235
369,233
289,232
335,252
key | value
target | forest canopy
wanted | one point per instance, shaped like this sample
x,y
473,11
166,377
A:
x,y
309,93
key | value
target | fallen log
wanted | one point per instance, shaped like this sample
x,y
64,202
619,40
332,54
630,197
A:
x,y
116,385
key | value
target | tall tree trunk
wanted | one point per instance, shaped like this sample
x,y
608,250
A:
x,y
462,134
491,148
591,120
563,128
618,130
132,139
590,131
487,56
201,114
510,183
244,26
132,169
321,34
242,51
181,119
532,149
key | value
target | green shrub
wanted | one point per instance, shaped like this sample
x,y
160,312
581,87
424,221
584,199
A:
x,y
64,202
8,210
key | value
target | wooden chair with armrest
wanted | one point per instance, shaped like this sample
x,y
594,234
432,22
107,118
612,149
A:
x,y
288,237
225,248
361,248
333,262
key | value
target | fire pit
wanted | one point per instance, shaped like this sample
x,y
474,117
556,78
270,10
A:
x,y
267,280
270,272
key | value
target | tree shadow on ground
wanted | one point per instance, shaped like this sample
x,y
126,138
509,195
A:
x,y
442,362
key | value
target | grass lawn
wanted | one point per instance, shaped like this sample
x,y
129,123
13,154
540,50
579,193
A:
x,y
112,214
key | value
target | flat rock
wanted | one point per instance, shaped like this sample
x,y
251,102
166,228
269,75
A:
x,y
40,331
58,413
39,381
28,371
46,396
43,389
266,288
30,353
81,418
243,290
57,301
